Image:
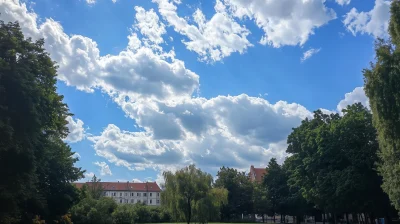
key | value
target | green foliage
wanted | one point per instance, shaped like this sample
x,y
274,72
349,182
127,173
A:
x,y
124,214
333,161
240,193
90,210
188,191
382,84
36,166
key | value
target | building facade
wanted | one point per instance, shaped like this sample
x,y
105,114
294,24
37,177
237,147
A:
x,y
130,193
257,174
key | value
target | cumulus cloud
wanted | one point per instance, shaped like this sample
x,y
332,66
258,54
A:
x,y
211,39
284,22
135,180
374,22
76,130
308,54
104,168
343,2
356,96
137,72
233,131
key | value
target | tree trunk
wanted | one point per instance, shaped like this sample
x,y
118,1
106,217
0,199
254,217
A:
x,y
334,217
274,217
388,220
263,218
323,217
189,212
347,218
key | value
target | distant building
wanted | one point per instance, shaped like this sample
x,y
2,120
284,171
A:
x,y
257,174
130,193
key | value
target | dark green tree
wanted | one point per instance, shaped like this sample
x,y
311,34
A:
x,y
240,191
382,83
275,183
36,166
95,188
90,210
262,206
333,161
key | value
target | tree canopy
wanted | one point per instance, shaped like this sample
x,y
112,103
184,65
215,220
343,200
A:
x,y
36,166
189,194
382,84
333,162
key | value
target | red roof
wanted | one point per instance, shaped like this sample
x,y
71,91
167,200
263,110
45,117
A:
x,y
257,174
126,186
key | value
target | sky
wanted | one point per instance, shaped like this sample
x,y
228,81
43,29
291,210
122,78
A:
x,y
156,85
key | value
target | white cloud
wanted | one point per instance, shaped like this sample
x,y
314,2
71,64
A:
x,y
114,1
232,131
91,2
374,22
356,96
105,169
284,22
149,25
76,130
211,39
89,174
308,54
343,2
137,72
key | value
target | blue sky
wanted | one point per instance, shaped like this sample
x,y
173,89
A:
x,y
157,85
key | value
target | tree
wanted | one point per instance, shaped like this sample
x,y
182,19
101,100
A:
x,y
333,161
262,206
240,193
275,183
208,208
36,166
189,189
381,83
95,188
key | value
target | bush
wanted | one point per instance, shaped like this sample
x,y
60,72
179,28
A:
x,y
94,211
124,214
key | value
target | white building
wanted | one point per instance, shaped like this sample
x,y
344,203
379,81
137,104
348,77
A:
x,y
131,193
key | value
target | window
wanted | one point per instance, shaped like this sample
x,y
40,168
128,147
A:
x,y
151,201
158,201
120,194
120,201
114,194
132,194
138,194
126,194
151,194
158,194
144,194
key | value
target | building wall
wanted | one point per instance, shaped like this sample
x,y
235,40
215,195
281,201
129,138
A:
x,y
133,197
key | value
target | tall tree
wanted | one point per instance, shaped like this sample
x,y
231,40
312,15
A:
x,y
189,189
382,83
240,193
95,188
334,161
275,182
36,166
262,206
